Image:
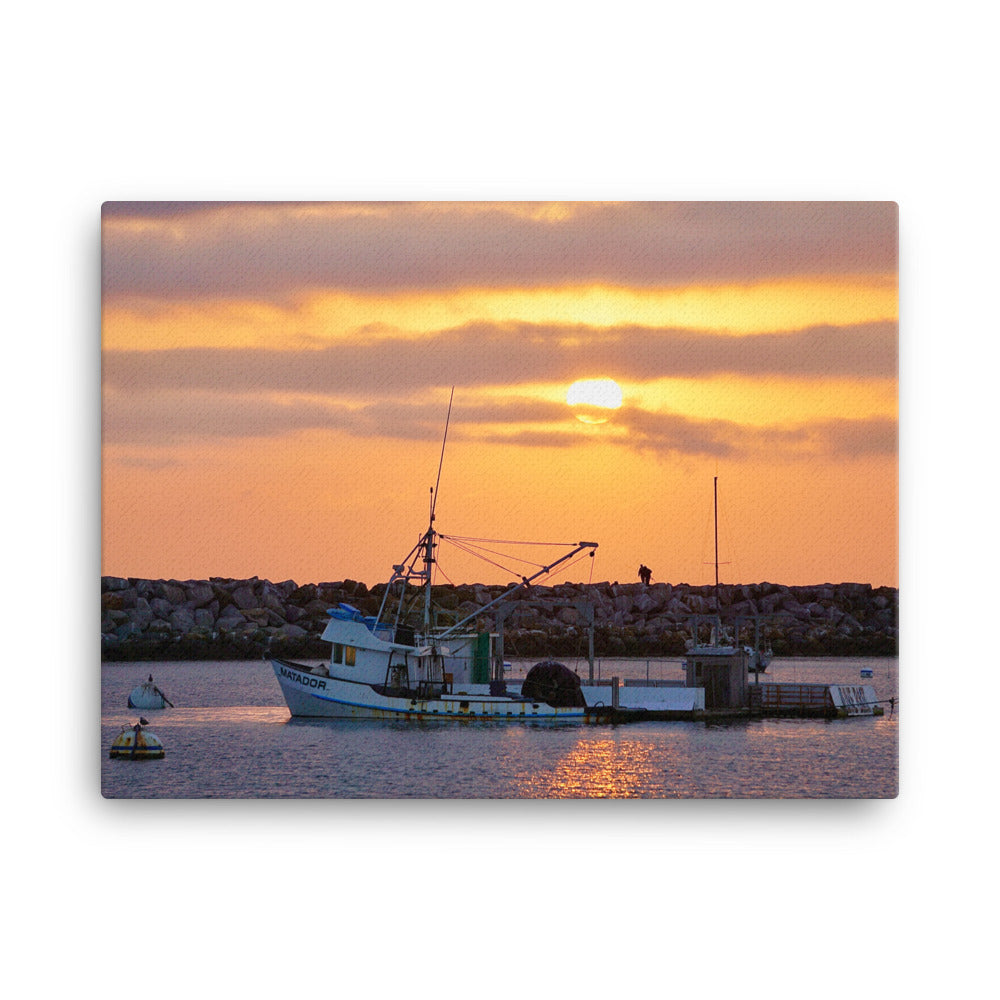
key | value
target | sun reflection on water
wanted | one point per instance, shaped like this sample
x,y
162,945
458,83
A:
x,y
597,768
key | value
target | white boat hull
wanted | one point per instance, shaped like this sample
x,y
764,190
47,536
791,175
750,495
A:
x,y
312,695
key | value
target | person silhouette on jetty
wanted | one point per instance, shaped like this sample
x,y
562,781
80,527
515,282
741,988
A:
x,y
645,575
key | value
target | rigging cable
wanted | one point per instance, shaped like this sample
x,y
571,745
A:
x,y
507,541
475,549
437,569
573,562
479,555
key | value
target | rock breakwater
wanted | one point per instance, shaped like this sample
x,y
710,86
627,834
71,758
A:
x,y
220,618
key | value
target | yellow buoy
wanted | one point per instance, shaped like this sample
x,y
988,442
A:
x,y
136,743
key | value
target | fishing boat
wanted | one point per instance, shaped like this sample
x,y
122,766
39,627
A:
x,y
406,662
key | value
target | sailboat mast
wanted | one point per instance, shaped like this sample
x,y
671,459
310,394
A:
x,y
715,489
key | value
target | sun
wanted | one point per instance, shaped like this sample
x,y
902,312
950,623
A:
x,y
594,399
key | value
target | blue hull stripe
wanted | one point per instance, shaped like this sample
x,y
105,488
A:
x,y
447,715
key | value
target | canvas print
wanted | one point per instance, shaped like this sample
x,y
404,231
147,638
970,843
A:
x,y
499,500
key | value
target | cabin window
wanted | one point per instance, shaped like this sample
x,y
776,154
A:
x,y
338,653
349,652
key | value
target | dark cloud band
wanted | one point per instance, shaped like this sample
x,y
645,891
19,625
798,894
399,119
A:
x,y
272,251
509,354
165,420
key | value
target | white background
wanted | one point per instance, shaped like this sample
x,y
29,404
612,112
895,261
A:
x,y
571,101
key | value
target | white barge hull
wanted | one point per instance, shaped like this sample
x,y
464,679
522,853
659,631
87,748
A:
x,y
311,695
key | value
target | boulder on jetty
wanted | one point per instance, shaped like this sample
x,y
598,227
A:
x,y
222,618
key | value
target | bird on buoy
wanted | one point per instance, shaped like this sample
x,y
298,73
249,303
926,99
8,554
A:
x,y
135,743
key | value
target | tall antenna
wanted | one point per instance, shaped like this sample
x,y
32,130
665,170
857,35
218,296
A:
x,y
444,441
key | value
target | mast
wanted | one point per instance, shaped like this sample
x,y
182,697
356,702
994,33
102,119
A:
x,y
715,490
429,537
428,562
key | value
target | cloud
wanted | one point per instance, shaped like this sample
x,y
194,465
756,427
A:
x,y
508,354
179,416
171,418
148,463
857,438
275,250
669,434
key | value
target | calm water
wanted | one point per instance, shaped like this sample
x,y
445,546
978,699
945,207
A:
x,y
229,735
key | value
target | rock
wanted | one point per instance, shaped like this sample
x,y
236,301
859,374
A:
x,y
203,618
271,599
644,603
244,598
850,624
142,613
568,616
263,616
676,608
112,601
230,618
290,632
128,597
161,607
170,592
303,595
128,630
199,595
181,620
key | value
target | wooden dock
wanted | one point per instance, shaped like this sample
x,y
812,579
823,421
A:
x,y
790,701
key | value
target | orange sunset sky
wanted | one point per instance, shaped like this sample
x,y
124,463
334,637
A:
x,y
276,378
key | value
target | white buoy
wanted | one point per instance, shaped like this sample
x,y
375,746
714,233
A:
x,y
148,696
137,743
